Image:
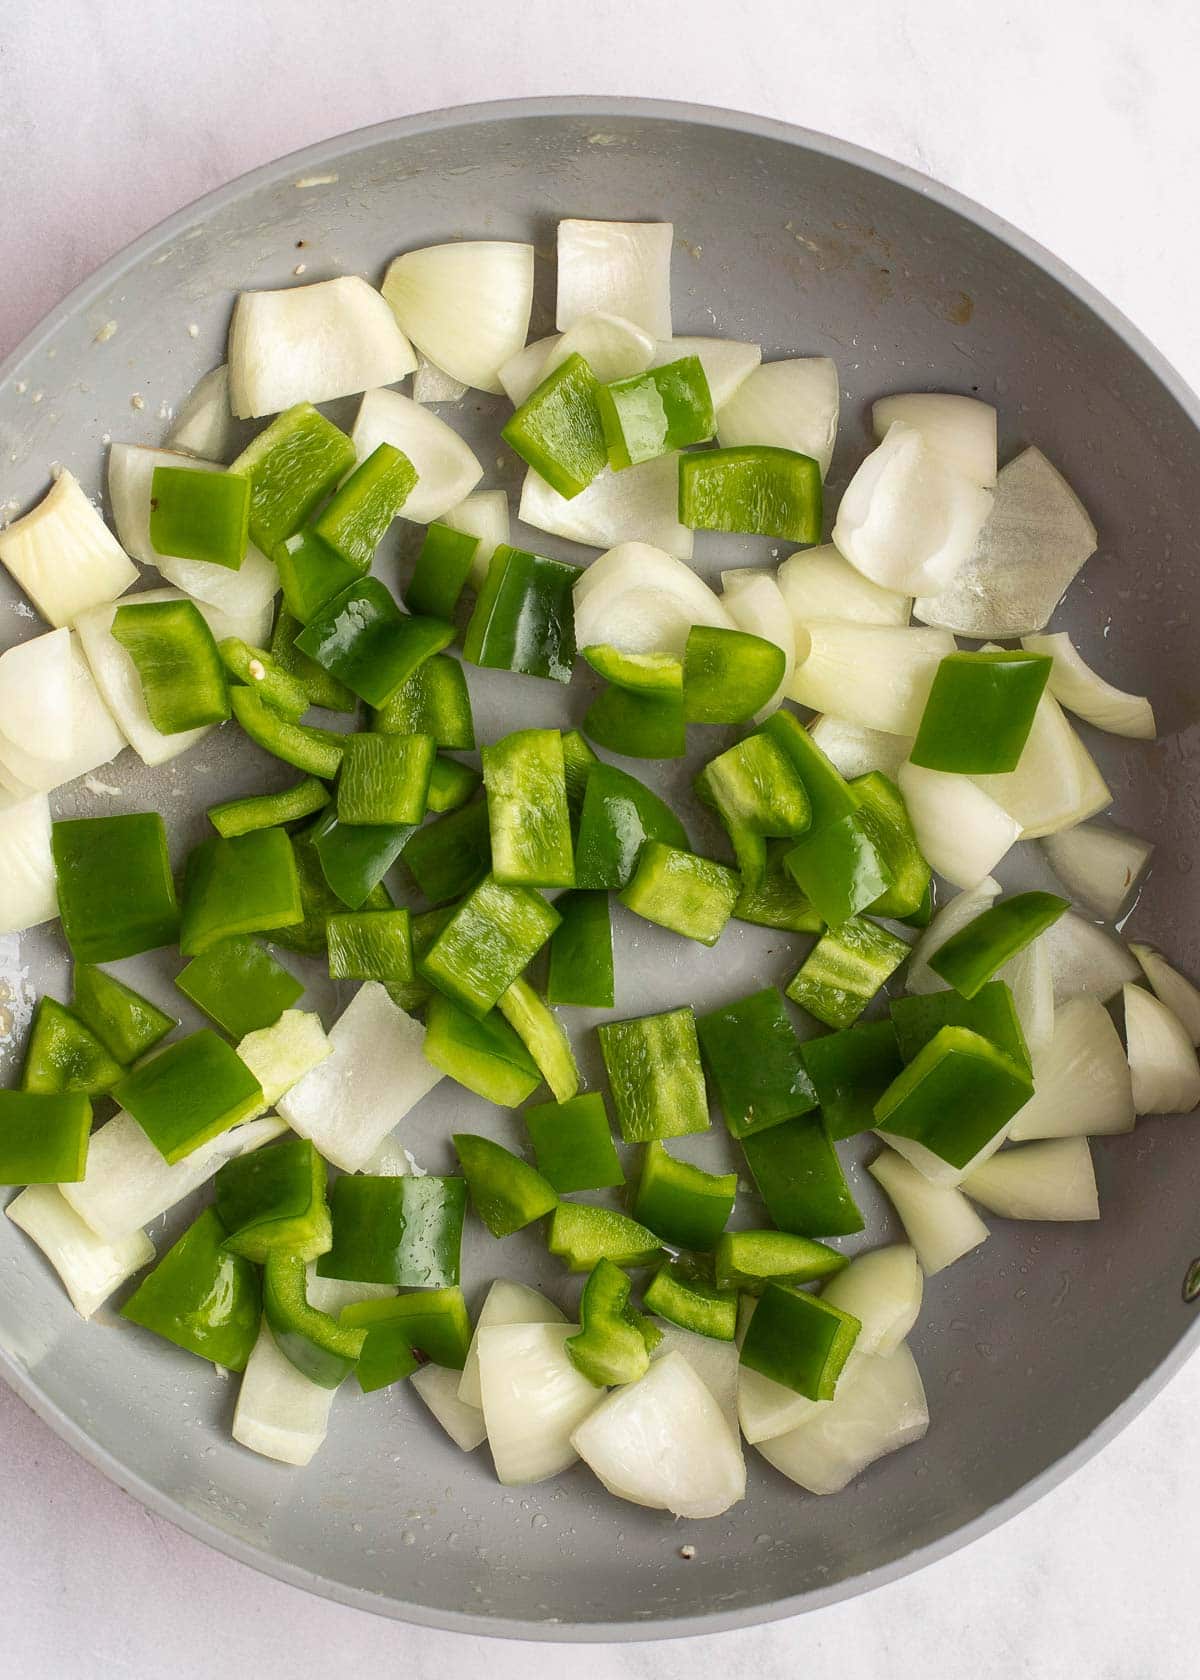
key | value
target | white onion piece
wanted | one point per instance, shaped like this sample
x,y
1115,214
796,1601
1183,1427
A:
x,y
1054,1179
1055,784
438,1388
642,600
1083,691
466,306
1086,960
907,518
35,694
961,832
279,1056
116,676
205,425
484,515
664,1442
1081,1085
882,1289
1035,541
1028,977
640,504
955,914
431,385
90,1268
279,1412
1178,993
786,405
1100,867
447,471
962,430
611,346
1162,1059
931,1165
64,556
726,362
377,1073
391,1160
522,372
28,884
856,751
938,1219
871,674
714,1362
754,603
533,1399
819,583
879,1408
95,737
615,268
508,1302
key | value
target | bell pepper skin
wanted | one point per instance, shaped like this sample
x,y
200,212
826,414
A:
x,y
385,779
651,674
126,1023
573,1145
387,1355
557,430
991,1013
970,957
484,1056
581,952
434,701
451,784
689,895
396,1230
578,762
654,1073
777,901
756,791
491,938
850,1070
370,945
524,778
292,466
310,573
247,885
728,675
980,711
116,894
324,1350
316,751
183,680
619,814
637,725
840,868
524,616
354,858
845,969
268,810
363,638
44,1136
958,1091
800,1179
799,1340
441,571
65,1055
200,515
506,1192
583,1235
830,795
614,1342
201,1297
923,914
655,412
189,1092
413,995
753,488
273,1201
693,1305
239,985
681,1204
755,1060
318,899
883,812
450,857
749,1260
355,518
433,1320
256,668
322,688
539,1030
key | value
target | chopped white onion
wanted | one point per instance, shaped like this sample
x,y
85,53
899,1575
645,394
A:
x,y
1086,960
785,405
962,833
447,471
431,385
1162,1059
90,1268
611,346
818,583
882,1288
205,425
1053,1179
117,678
953,915
938,1219
522,372
767,1408
438,1388
466,305
279,1412
962,430
533,1399
28,884
1081,1085
279,1056
714,1362
856,751
64,556
615,268
871,674
753,601
932,1165
95,737
1028,977
35,694
330,1295
726,362
1100,867
664,1442
391,1160
639,599
1083,691
1037,538
484,515
640,504
508,1302
1178,993
1056,783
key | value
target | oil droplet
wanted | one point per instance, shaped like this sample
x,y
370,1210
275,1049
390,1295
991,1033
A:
x,y
408,1538
539,1521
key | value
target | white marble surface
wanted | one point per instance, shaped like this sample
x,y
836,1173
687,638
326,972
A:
x,y
1077,120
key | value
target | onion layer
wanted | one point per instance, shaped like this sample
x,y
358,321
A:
x,y
639,599
869,673
508,1302
447,470
1099,867
962,430
533,1399
882,1289
615,268
1179,995
466,305
1162,1060
28,884
205,425
640,504
818,583
961,832
1083,691
1081,1084
1050,1180
940,1222
785,405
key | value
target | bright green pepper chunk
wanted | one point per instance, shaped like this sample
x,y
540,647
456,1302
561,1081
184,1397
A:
x,y
413,995
65,1055
642,673
991,1013
614,1343
370,945
728,675
840,868
845,969
292,466
524,617
354,858
116,895
689,895
450,857
583,1235
748,1260
451,784
318,899
799,1340
433,1320
247,885
756,791
368,643
273,1201
885,816
573,1145
506,1192
198,515
434,701
385,779
619,814
183,681
958,1091
255,667
578,761
490,939
322,688
654,1072
404,1230
923,914
324,1350
355,518
387,1355
752,1052
695,1306
43,1136
239,985
850,1071
193,1090
126,1023
652,413
980,711
800,1178
558,430
683,1205
830,795
540,1031
524,777
317,751
777,901
580,969
637,725
441,572
268,810
310,573
971,956
201,1297
754,488
484,1056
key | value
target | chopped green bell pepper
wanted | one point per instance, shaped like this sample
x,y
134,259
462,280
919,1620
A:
x,y
198,515
524,617
756,791
273,1201
754,488
748,1260
580,970
451,784
268,810
247,885
385,779
573,1145
317,751
923,914
44,1136
777,901
201,1297
850,1071
958,1091
980,711
970,957
845,969
256,668
840,868
292,466
830,795
693,1305
652,674
356,517
239,985
728,675
578,761
524,778
183,681
318,899
654,1072
370,945
405,1230
652,413
800,1179
387,1355
324,1350
583,1235
637,724
191,1091
126,1023
65,1055
361,635
413,995
752,1052
557,430
680,1203
450,857
492,936
540,1031
991,1013
441,571
484,1056
434,701
506,1192
354,858
433,1320
614,1343
310,573
677,890
116,895
885,816
322,688
619,814
799,1340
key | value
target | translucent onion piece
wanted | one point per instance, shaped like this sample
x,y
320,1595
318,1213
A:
x,y
533,1399
907,518
438,1388
279,1056
788,405
880,1407
1179,995
1081,1084
205,425
1162,1060
714,1362
962,430
431,385
447,470
1037,538
508,1302
484,515
1086,960
664,1442
753,601
1083,691
726,362
1056,783
465,306
1050,1180
1099,866
615,268
640,504
612,347
90,1269
35,694
95,737
882,1289
28,885
961,832
64,556
641,600
818,583
868,673
522,373
1028,977
330,1295
312,343
279,1412
940,1222
948,920
856,751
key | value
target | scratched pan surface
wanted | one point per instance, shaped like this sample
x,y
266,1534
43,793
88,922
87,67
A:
x,y
1034,1350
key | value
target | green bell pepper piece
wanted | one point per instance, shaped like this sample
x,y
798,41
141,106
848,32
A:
x,y
654,1072
619,814
541,1033
385,779
524,617
923,914
361,635
557,430
413,995
247,885
193,1090
451,784
637,725
777,901
693,1305
748,1260
653,674
751,1050
434,701
830,795
683,1205
405,1230
754,488
318,899
845,969
433,1320
387,1355
578,762
850,1071
677,890
126,1023
728,675
370,945
800,1179
201,1297
484,1056
268,810
239,985
441,571
292,466
324,1350
316,751
354,520
980,711
524,777
310,573
573,1145
885,816
991,1013
583,1235
958,1091
183,681
65,1055
273,1201
652,413
255,668
799,1340
756,791
580,969
44,1136
506,1192
354,858
116,895
614,1343
450,857
322,688
970,957
840,868
493,935
198,515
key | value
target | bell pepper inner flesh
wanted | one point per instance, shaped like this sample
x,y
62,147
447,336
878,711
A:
x,y
801,1180
693,1305
202,1297
680,1203
116,893
354,519
689,895
451,784
582,1235
619,814
580,970
434,701
441,571
958,1091
63,1054
728,675
405,1230
749,1260
653,413
614,1342
830,795
492,936
755,1060
189,1092
268,810
506,1192
776,901
524,778
539,1029
247,885
370,945
198,515
573,1144
44,1136
256,668
753,488
363,638
273,1200
182,678
324,1350
557,430
970,957
757,793
883,813
799,1340
385,779
484,1056
578,762
850,1070
845,969
124,1021
980,711
239,985
524,616
654,1074
292,465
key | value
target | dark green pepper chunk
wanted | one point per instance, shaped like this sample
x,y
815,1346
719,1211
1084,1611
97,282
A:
x,y
619,814
684,1300
970,957
324,1350
197,515
749,1260
958,1091
614,1342
292,466
434,701
183,680
652,413
116,894
403,1230
506,1192
239,985
247,885
654,1072
755,1059
524,617
273,1201
850,1071
201,1297
44,1136
581,952
573,1145
363,638
189,1092
583,1235
979,712
441,572
801,1180
558,430
799,1340
680,1203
